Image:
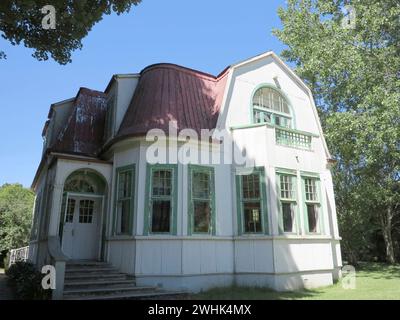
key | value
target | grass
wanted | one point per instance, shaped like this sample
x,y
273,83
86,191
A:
x,y
373,281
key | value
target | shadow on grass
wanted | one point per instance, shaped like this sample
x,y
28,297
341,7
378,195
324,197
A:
x,y
379,271
251,293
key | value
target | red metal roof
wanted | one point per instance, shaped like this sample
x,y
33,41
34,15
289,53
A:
x,y
165,92
83,130
168,92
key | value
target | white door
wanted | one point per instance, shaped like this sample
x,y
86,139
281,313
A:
x,y
81,228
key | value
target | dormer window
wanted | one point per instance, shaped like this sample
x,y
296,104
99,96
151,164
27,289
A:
x,y
270,106
109,121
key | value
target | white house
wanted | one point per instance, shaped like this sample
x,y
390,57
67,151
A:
x,y
252,204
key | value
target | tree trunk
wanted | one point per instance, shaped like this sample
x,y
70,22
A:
x,y
386,225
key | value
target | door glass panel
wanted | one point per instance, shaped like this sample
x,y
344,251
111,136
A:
x,y
69,216
86,211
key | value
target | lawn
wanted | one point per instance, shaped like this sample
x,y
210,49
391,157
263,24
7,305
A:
x,y
373,281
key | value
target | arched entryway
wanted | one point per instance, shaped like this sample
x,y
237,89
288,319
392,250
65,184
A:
x,y
81,215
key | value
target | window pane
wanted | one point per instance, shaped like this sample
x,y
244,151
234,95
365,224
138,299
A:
x,y
201,216
252,217
86,211
161,216
287,217
161,183
251,186
69,217
123,216
270,99
312,213
125,184
310,189
201,185
287,187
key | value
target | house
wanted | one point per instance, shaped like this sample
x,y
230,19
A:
x,y
185,180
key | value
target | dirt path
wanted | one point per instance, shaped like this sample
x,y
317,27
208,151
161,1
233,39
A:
x,y
5,291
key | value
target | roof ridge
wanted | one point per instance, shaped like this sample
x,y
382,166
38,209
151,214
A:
x,y
168,65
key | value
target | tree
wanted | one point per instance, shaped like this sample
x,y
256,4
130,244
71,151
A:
x,y
16,205
353,70
21,21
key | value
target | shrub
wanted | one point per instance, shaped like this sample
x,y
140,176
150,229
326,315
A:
x,y
6,260
27,281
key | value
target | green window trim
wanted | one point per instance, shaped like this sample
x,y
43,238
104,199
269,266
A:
x,y
129,168
149,198
319,201
287,200
289,116
192,169
263,202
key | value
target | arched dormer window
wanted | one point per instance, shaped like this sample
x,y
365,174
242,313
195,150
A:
x,y
270,106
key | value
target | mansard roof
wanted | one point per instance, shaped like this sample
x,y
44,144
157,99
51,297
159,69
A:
x,y
83,130
168,92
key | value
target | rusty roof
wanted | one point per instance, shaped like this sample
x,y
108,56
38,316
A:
x,y
83,131
165,92
168,92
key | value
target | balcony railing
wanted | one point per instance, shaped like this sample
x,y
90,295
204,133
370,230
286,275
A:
x,y
292,138
20,254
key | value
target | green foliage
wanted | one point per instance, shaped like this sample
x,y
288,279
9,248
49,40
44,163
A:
x,y
27,281
21,21
16,205
355,77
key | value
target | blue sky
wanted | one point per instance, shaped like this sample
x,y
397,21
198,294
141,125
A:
x,y
207,35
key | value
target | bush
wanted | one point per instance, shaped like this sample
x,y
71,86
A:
x,y
6,261
27,281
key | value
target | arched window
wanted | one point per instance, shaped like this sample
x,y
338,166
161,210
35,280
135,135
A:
x,y
269,106
78,185
84,181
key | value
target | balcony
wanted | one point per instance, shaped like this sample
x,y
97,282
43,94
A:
x,y
293,138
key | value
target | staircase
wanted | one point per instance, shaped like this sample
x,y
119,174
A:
x,y
93,280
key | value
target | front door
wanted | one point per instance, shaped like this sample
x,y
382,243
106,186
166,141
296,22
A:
x,y
81,230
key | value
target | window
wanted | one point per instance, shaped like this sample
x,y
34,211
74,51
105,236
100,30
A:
x,y
109,121
312,204
269,106
252,202
287,202
69,214
36,216
86,211
201,200
78,184
161,217
124,205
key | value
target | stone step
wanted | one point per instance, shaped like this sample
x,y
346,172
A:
x,y
130,295
95,275
85,263
95,283
105,290
101,269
